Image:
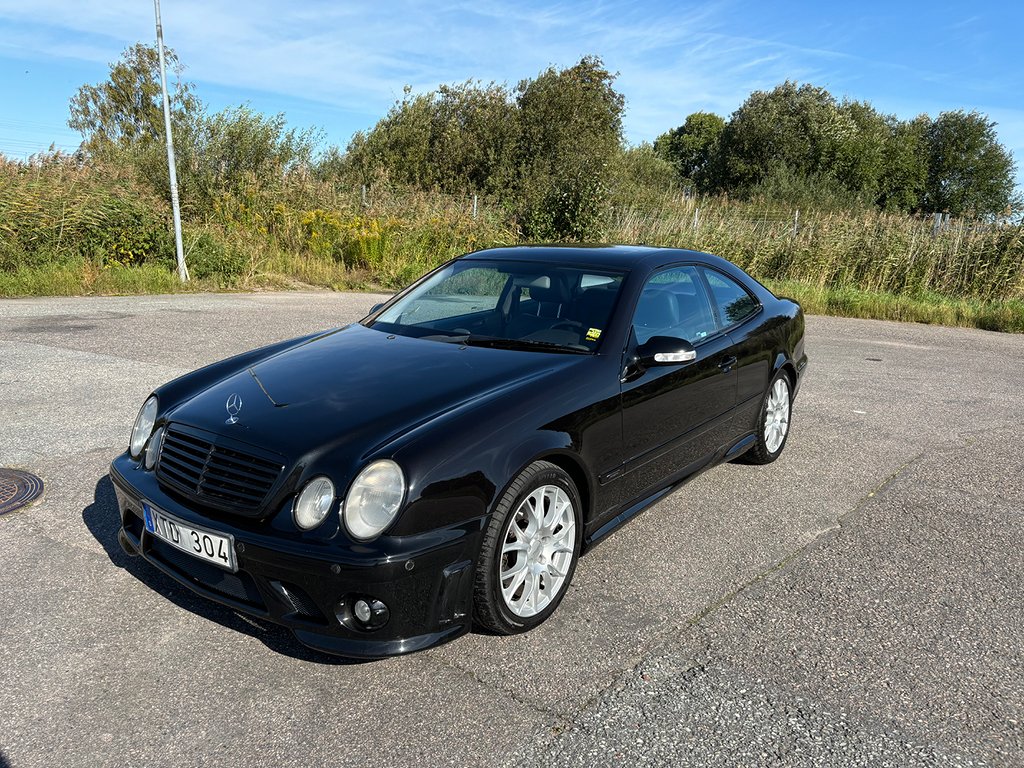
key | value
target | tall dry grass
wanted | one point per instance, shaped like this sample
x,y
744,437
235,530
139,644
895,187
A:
x,y
70,228
870,250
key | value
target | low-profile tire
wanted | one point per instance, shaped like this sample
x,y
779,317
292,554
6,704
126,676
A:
x,y
773,422
529,551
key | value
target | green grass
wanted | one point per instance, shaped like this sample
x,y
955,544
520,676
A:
x,y
68,229
82,279
930,308
287,271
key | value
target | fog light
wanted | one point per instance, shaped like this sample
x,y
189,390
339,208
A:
x,y
370,613
362,611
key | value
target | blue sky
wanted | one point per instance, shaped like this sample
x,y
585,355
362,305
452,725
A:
x,y
339,66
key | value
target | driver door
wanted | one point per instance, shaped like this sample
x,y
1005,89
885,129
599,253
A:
x,y
675,417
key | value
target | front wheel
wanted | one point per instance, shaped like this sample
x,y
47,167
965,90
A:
x,y
773,422
529,551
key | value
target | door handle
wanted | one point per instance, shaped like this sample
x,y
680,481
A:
x,y
727,364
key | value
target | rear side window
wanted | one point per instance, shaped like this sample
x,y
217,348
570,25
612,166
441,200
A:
x,y
732,300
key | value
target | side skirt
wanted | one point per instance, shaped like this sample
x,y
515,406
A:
x,y
690,472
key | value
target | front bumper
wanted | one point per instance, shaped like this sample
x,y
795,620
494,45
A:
x,y
425,581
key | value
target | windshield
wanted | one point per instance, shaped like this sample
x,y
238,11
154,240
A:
x,y
509,304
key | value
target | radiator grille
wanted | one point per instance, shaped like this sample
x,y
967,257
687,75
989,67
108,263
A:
x,y
215,474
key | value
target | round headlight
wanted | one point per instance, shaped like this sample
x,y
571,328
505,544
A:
x,y
143,427
153,449
313,504
374,499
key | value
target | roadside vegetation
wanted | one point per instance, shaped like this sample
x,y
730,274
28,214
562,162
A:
x,y
847,210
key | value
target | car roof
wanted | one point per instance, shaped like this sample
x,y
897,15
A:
x,y
612,256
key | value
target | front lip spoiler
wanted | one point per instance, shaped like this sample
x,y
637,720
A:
x,y
363,650
369,650
330,639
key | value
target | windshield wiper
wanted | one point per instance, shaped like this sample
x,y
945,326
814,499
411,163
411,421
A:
x,y
496,342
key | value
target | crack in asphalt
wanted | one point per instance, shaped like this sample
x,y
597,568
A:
x,y
659,641
660,644
515,696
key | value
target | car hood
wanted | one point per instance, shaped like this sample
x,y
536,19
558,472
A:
x,y
355,388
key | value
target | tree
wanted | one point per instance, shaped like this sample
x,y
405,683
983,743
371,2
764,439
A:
x,y
695,150
458,138
904,165
237,146
569,137
546,150
640,170
800,128
860,143
969,171
127,109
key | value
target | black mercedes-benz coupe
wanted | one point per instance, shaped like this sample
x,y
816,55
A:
x,y
382,487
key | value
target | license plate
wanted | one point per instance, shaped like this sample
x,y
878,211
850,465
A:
x,y
206,545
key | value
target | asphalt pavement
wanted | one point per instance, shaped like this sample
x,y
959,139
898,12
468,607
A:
x,y
859,602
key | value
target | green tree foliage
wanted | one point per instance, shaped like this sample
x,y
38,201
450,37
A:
x,y
122,121
457,139
969,171
642,169
546,150
860,141
695,150
126,110
570,134
904,164
237,148
796,144
799,127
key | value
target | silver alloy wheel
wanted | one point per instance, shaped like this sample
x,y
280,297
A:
x,y
776,416
537,551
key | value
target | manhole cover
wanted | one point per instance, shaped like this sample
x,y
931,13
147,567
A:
x,y
17,489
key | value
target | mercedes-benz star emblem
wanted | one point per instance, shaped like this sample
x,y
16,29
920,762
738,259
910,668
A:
x,y
234,406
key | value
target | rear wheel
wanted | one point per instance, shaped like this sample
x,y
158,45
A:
x,y
773,422
529,552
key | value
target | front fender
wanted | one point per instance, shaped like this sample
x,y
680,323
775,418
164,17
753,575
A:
x,y
470,480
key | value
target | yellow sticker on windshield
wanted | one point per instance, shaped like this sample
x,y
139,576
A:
x,y
593,334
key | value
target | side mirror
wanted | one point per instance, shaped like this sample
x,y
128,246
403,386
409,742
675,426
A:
x,y
665,350
376,307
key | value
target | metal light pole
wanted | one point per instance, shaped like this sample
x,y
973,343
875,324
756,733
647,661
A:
x,y
175,207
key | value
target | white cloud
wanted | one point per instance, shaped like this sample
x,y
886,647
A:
x,y
671,62
355,59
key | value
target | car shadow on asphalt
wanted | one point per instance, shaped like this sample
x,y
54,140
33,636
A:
x,y
103,520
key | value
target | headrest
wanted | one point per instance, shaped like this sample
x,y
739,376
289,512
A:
x,y
684,289
657,309
554,292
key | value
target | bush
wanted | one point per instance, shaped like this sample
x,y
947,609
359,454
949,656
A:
x,y
206,256
54,209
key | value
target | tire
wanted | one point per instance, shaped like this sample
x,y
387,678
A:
x,y
523,575
775,415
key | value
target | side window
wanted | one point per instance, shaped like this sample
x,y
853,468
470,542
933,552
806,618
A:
x,y
732,300
674,303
